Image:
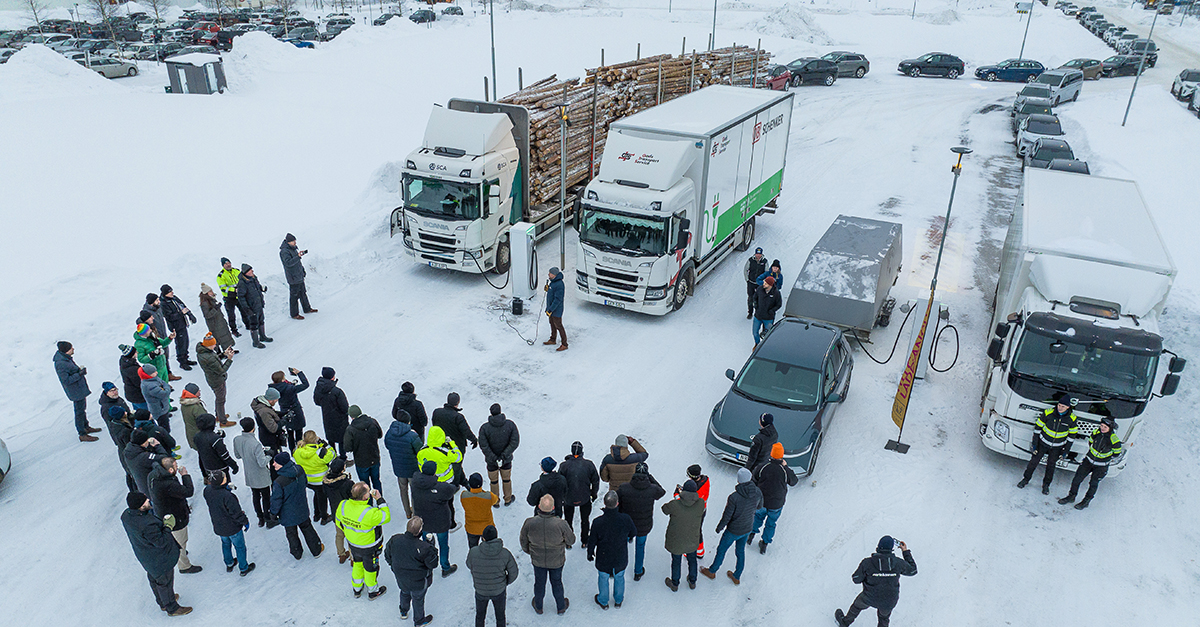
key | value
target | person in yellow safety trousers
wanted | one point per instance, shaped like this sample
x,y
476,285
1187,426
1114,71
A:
x,y
314,455
442,451
361,517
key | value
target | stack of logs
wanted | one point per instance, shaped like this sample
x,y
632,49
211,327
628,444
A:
x,y
610,93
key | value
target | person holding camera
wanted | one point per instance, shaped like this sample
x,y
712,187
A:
x,y
249,293
289,403
272,432
170,488
314,456
361,518
879,575
216,368
155,549
178,318
412,558
293,270
210,445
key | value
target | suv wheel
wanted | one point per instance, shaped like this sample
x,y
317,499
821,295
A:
x,y
952,74
1030,78
132,72
991,76
915,72
829,79
860,72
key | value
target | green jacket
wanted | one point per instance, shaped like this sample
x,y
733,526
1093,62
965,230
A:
x,y
191,407
227,281
213,365
149,351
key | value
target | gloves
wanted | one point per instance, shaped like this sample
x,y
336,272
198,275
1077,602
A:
x,y
83,370
233,466
322,451
169,521
591,558
264,288
246,527
475,444
192,317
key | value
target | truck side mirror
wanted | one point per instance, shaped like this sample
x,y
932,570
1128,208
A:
x,y
577,216
730,374
996,349
1002,329
1057,348
681,240
1177,364
1170,384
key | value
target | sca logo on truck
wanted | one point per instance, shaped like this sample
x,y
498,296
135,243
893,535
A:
x,y
762,128
437,166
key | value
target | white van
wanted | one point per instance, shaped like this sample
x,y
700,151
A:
x,y
1064,84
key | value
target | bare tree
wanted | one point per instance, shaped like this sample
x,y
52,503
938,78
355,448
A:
x,y
36,8
287,6
220,6
157,6
104,12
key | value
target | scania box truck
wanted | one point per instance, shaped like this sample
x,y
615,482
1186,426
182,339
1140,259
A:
x,y
679,188
1084,277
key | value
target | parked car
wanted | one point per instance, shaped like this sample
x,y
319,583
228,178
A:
x,y
1144,47
5,53
1041,92
1089,67
241,28
383,19
452,11
1064,85
1123,41
1069,165
849,63
300,43
191,49
273,30
1120,65
1031,106
299,22
1194,103
162,51
1045,150
5,459
211,27
422,16
343,22
800,374
1017,70
305,34
109,67
933,64
1035,127
340,16
1185,84
813,70
779,77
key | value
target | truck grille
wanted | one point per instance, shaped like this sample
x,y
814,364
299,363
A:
x,y
627,278
614,285
437,243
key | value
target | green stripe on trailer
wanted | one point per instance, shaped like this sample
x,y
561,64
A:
x,y
733,218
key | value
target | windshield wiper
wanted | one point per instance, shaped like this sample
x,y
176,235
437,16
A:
x,y
760,400
601,245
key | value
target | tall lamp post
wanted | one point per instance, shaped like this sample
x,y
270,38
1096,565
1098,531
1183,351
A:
x,y
492,21
712,40
1028,19
1141,66
904,390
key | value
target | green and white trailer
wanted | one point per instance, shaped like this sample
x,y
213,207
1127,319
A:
x,y
679,189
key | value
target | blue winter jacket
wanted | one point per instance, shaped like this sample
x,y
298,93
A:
x,y
158,396
554,297
71,376
402,444
778,278
288,500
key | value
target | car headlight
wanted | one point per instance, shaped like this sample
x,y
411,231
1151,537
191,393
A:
x,y
1000,428
656,293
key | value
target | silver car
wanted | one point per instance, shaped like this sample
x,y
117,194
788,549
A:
x,y
1032,90
1185,84
1034,127
109,67
849,63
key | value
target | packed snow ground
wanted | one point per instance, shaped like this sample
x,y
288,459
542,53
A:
x,y
111,191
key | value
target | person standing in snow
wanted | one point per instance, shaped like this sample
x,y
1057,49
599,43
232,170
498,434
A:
x,y
247,448
250,299
313,455
477,509
498,440
617,467
158,396
555,293
696,474
880,578
293,270
289,403
412,558
120,427
362,445
773,480
272,432
737,520
210,446
191,407
686,513
128,365
493,569
612,531
1104,447
290,508
142,454
450,418
74,383
227,281
155,549
1054,426
151,348
362,521
229,522
152,314
545,538
406,401
549,483
756,265
403,445
170,488
210,309
178,318
216,368
337,484
142,421
583,484
766,303
431,500
334,408
774,272
762,442
637,500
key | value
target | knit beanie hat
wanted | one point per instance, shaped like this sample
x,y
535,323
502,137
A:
x,y
151,297
354,411
886,544
693,471
225,260
429,468
282,459
777,450
289,238
337,466
766,419
126,350
690,486
641,469
143,330
495,409
769,281
135,500
403,416
327,373
144,316
209,341
622,441
775,264
205,289
548,464
107,385
116,411
139,438
246,267
64,346
407,387
192,387
271,394
744,475
475,481
165,289
149,369
489,533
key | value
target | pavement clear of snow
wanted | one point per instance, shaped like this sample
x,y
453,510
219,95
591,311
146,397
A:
x,y
110,191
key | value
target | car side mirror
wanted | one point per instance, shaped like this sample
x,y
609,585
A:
x,y
1170,384
996,349
1176,365
730,374
1002,329
834,397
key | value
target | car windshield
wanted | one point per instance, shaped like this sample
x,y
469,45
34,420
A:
x,y
441,199
778,383
609,230
1044,128
1106,371
1030,109
1038,91
1114,60
832,56
1191,76
1047,154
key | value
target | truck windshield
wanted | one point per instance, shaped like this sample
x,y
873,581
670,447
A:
x,y
608,230
1086,367
777,383
440,199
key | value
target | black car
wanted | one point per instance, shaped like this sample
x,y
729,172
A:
x,y
225,39
933,64
383,19
1120,65
813,70
423,16
800,374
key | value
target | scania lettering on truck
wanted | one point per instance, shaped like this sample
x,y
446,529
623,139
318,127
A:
x,y
1084,277
679,188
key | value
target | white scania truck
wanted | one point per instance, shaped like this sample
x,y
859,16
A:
x,y
679,188
1084,277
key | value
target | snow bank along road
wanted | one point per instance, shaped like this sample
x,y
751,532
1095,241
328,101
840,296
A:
x,y
107,199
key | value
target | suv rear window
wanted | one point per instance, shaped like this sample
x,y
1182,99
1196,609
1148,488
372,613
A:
x,y
1044,128
1192,76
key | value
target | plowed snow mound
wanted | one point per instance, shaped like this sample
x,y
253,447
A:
x,y
258,53
39,72
793,22
948,16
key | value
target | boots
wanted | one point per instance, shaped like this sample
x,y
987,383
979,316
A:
x,y
1070,498
840,618
83,437
506,481
1022,483
255,339
1087,500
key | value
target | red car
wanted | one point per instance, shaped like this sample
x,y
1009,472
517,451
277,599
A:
x,y
778,78
211,27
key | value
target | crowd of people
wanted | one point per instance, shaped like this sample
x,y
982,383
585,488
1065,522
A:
x,y
300,480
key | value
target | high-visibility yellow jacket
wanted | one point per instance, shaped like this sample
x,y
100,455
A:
x,y
315,463
441,451
1056,427
227,280
361,522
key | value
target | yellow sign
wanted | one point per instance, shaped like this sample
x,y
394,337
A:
x,y
904,391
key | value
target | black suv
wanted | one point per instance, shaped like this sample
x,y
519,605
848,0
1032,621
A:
x,y
813,70
935,64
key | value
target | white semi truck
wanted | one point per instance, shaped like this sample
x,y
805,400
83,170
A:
x,y
1084,277
679,188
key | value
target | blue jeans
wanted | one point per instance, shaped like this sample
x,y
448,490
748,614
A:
x,y
236,542
639,555
618,589
370,476
677,567
770,515
758,327
739,544
443,540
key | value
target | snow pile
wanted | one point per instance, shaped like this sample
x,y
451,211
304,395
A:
x,y
526,5
942,18
792,21
255,53
39,72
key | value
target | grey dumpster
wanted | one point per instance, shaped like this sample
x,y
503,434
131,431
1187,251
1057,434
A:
x,y
196,73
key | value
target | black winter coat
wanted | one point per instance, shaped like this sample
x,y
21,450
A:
x,y
412,559
106,403
637,500
288,501
172,309
455,425
139,462
416,412
432,500
270,431
550,483
210,445
226,512
169,494
498,439
337,490
738,517
773,480
293,268
583,482
361,441
153,544
334,408
880,578
766,303
289,401
250,300
129,377
121,431
760,447
493,568
608,541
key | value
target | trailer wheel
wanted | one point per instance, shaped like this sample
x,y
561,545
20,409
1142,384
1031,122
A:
x,y
503,258
747,236
683,288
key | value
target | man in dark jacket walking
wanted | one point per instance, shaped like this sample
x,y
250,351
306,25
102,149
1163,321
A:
x,y
773,480
406,401
493,568
686,513
412,559
766,303
555,293
760,445
293,271
128,365
155,549
755,266
178,317
210,446
550,483
737,520
170,488
334,408
290,507
289,403
362,445
607,545
546,537
880,578
498,440
617,467
637,500
229,521
250,299
403,444
74,383
431,501
583,484
450,418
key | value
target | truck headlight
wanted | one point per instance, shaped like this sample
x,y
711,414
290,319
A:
x,y
461,228
581,280
589,253
656,293
646,264
1000,428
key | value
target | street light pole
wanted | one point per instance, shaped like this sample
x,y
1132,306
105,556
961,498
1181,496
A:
x,y
712,41
1028,19
1141,65
492,20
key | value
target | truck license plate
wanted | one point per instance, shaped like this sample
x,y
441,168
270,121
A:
x,y
434,264
614,303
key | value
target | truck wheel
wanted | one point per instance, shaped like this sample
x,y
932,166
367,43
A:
x,y
747,236
503,258
682,288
